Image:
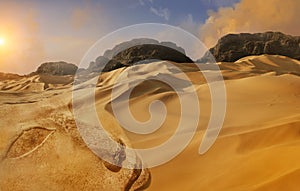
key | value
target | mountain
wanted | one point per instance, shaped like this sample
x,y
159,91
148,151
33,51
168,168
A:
x,y
232,47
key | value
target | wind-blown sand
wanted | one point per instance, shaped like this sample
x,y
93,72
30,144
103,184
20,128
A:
x,y
257,148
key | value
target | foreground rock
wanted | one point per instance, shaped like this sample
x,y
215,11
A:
x,y
232,47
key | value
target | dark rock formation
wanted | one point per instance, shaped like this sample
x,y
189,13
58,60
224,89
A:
x,y
235,46
143,54
57,68
141,41
138,51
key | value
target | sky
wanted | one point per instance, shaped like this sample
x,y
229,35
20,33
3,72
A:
x,y
39,31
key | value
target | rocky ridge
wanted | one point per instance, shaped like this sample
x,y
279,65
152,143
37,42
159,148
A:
x,y
232,47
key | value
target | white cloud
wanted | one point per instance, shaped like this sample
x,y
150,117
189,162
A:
x,y
161,12
190,25
144,2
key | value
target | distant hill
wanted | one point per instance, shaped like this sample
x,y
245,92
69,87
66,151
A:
x,y
56,68
232,47
9,76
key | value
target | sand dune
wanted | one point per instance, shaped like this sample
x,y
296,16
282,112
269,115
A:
x,y
35,83
258,143
41,149
257,148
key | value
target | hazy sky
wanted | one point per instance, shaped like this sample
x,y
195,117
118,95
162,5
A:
x,y
40,31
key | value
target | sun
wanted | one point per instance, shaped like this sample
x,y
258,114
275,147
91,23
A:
x,y
2,41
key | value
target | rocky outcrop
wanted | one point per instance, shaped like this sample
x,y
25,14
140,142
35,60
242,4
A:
x,y
140,41
56,68
138,51
232,47
143,54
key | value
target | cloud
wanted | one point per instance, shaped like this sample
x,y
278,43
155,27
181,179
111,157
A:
x,y
161,12
252,16
190,25
143,2
219,3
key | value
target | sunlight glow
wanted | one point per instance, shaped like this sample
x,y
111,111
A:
x,y
2,41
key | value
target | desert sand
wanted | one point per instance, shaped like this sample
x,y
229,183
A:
x,y
257,148
40,147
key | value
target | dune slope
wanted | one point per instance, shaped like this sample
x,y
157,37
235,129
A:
x,y
257,147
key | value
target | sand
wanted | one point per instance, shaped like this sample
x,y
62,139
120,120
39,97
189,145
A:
x,y
40,147
256,149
